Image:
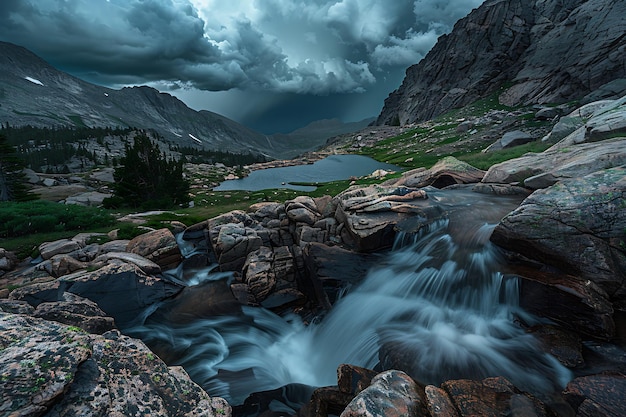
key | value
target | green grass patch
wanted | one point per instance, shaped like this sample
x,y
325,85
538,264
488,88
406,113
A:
x,y
486,160
22,219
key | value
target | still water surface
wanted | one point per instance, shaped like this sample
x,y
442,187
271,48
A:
x,y
331,168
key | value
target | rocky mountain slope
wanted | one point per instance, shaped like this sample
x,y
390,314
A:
x,y
32,92
534,51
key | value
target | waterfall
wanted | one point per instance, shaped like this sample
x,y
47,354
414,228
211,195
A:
x,y
436,307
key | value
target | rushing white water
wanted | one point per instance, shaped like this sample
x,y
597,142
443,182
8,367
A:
x,y
436,303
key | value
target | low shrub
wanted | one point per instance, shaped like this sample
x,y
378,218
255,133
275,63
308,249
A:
x,y
26,218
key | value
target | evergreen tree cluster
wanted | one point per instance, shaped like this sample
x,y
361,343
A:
x,y
55,146
13,185
147,179
199,156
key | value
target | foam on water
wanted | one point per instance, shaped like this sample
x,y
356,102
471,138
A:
x,y
436,306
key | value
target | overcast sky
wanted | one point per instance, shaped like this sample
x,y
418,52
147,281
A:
x,y
274,65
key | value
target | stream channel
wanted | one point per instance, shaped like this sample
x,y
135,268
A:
x,y
438,296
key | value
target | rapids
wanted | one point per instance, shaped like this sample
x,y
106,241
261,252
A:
x,y
436,306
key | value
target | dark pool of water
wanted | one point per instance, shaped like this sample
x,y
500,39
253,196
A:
x,y
331,168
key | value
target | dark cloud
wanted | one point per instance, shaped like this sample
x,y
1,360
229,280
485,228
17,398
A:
x,y
323,48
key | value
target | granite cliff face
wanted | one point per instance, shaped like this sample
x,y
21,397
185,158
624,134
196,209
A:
x,y
534,51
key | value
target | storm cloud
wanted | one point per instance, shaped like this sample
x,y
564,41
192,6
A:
x,y
319,47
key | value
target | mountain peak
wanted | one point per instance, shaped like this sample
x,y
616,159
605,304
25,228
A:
x,y
534,51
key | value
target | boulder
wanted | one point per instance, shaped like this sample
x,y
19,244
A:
x,y
439,403
544,169
269,275
492,397
302,210
8,261
232,243
15,306
146,265
597,395
577,226
60,265
114,246
445,172
122,290
509,140
565,346
76,311
391,393
159,246
52,369
547,113
48,249
610,122
370,213
574,304
38,362
90,198
258,273
353,379
330,269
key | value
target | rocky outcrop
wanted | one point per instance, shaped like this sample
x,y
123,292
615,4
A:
x,y
577,226
581,148
447,171
521,50
306,251
121,290
122,284
48,368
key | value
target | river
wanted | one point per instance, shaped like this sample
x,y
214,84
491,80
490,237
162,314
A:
x,y
437,295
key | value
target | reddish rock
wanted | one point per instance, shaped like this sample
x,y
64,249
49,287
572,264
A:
x,y
439,403
598,395
391,393
159,246
492,397
565,346
353,379
572,303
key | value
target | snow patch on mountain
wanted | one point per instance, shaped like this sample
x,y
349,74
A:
x,y
33,80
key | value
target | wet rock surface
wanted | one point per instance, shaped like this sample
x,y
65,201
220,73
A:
x,y
577,226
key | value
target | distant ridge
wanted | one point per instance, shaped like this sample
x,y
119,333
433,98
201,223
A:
x,y
32,92
535,51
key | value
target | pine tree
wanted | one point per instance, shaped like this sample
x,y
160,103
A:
x,y
12,179
147,179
